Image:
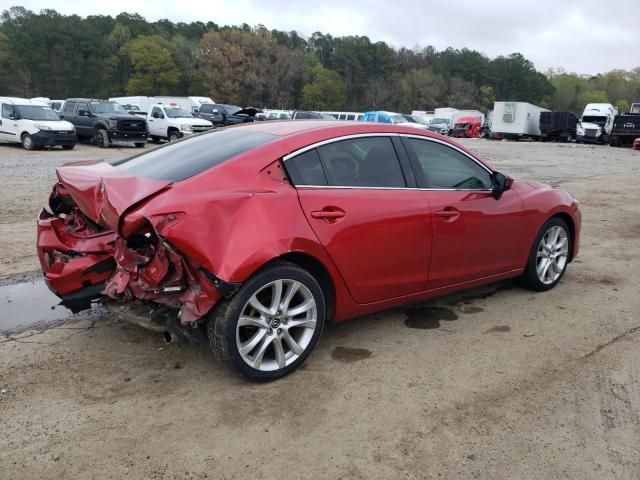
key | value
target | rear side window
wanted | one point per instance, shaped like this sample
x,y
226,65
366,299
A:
x,y
362,162
441,167
190,156
69,107
306,169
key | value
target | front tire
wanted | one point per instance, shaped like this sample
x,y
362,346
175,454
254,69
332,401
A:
x,y
101,138
549,256
174,135
271,325
140,145
27,142
68,147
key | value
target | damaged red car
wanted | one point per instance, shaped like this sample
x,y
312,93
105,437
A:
x,y
253,237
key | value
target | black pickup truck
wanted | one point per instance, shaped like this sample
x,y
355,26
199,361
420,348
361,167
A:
x,y
105,122
558,126
626,128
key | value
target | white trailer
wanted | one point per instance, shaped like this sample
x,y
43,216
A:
x,y
514,120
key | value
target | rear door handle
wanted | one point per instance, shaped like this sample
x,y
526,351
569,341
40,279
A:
x,y
328,214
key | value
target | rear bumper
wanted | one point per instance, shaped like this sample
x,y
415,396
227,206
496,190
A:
x,y
72,262
45,138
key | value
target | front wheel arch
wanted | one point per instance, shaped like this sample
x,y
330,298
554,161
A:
x,y
572,230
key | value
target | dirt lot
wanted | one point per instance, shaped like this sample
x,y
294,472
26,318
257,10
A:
x,y
511,384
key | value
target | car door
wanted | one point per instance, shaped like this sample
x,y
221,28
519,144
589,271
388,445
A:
x,y
156,123
474,234
376,230
8,124
83,120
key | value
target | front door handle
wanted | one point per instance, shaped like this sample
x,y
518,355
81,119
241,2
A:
x,y
448,213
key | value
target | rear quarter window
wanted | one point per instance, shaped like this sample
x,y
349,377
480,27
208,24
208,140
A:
x,y
190,156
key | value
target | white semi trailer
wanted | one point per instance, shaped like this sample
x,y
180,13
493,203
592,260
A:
x,y
515,120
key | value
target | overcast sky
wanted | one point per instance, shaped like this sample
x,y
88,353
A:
x,y
583,36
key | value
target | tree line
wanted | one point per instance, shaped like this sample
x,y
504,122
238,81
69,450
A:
x,y
59,56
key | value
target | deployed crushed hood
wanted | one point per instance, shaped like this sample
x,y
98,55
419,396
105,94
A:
x,y
103,193
250,111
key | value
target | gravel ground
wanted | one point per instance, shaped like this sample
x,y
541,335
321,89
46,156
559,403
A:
x,y
498,383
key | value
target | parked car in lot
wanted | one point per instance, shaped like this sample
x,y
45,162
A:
x,y
391,117
262,233
440,125
34,124
172,122
306,115
220,114
345,115
274,115
105,122
626,128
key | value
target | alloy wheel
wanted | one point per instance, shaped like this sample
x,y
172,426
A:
x,y
276,325
552,254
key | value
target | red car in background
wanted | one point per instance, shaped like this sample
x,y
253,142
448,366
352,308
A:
x,y
254,236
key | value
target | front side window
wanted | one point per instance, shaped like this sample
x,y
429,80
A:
x,y
157,113
83,107
441,167
362,162
8,110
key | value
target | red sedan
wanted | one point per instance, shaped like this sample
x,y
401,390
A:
x,y
253,237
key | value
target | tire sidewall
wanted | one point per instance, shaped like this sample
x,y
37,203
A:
x,y
27,142
531,275
242,297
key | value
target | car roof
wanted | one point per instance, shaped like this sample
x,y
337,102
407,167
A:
x,y
22,101
330,127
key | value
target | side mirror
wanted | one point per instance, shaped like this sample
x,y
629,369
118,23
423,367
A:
x,y
499,184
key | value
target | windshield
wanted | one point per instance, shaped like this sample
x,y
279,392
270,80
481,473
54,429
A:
x,y
107,107
231,109
409,119
133,108
177,112
594,119
176,161
398,119
37,112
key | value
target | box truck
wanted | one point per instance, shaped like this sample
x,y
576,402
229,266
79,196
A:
x,y
516,120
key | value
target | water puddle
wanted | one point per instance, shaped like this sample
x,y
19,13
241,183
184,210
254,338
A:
x,y
28,304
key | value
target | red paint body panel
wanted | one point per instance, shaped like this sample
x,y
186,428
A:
x,y
389,248
485,237
382,244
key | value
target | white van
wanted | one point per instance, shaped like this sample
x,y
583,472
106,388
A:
x,y
173,122
34,124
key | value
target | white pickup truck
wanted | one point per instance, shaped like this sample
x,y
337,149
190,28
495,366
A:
x,y
172,122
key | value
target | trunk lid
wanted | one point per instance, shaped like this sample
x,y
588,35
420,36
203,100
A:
x,y
103,193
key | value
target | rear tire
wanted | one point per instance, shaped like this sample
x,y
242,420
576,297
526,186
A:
x,y
68,147
27,142
140,145
549,256
283,311
101,138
